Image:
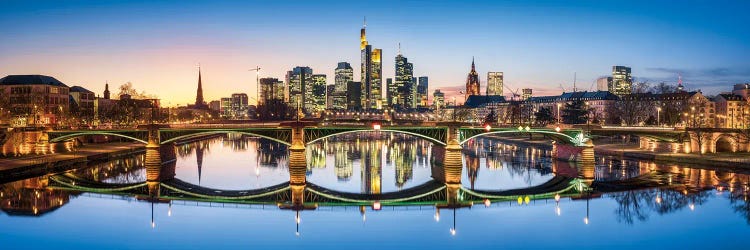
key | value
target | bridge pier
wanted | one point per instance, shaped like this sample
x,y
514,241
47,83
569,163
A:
x,y
297,171
448,169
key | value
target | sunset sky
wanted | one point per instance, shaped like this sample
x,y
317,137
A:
x,y
538,45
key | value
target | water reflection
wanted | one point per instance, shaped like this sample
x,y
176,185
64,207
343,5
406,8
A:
x,y
380,164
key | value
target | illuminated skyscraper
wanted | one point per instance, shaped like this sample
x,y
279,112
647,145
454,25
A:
x,y
271,88
494,83
406,89
391,92
344,75
372,73
315,94
622,81
472,82
297,81
422,96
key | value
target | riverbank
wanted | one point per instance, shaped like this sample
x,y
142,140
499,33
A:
x,y
631,151
730,160
34,165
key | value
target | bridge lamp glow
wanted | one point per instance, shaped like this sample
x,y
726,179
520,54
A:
x,y
586,220
453,232
557,197
557,129
487,202
527,199
527,128
376,206
487,127
437,215
520,200
520,128
658,199
376,126
692,207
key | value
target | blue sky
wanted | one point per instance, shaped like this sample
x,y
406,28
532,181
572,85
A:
x,y
538,44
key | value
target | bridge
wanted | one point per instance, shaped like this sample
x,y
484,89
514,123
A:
x,y
571,142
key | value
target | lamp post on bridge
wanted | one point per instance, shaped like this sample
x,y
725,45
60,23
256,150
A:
x,y
658,116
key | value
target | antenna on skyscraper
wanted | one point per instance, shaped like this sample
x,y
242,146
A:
x,y
399,48
364,22
574,81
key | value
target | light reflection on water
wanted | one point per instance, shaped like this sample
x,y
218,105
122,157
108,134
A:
x,y
676,215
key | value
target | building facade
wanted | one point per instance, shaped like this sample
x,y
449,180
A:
x,y
405,96
297,81
271,89
422,96
622,81
35,99
344,75
438,100
494,83
82,104
372,74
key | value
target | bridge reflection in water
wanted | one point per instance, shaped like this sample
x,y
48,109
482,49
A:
x,y
581,179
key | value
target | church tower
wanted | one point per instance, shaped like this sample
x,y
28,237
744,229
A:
x,y
199,103
472,82
106,91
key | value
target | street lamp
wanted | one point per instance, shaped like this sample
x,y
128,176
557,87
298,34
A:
x,y
658,116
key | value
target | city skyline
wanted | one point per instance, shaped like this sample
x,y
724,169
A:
x,y
158,53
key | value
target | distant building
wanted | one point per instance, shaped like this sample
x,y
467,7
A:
x,y
422,87
343,75
35,99
297,81
472,82
226,107
526,94
438,99
215,105
405,96
622,81
106,91
391,92
742,90
494,83
82,104
315,94
330,90
271,89
354,95
731,110
603,83
372,74
239,105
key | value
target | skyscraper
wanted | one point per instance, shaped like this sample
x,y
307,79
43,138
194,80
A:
x,y
315,94
422,87
472,82
270,89
391,92
344,75
406,89
622,81
354,95
297,80
494,83
372,74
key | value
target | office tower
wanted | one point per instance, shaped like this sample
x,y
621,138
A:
x,y
239,105
622,81
406,89
494,83
344,75
422,87
391,92
315,94
354,95
297,80
372,74
271,89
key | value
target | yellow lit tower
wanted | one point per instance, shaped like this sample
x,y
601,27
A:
x,y
372,73
472,82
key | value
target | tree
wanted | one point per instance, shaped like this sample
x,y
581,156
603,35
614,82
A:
x,y
127,89
544,116
186,115
575,112
664,88
651,120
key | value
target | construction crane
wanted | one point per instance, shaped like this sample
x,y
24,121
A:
x,y
514,93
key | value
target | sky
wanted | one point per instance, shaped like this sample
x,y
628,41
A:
x,y
157,45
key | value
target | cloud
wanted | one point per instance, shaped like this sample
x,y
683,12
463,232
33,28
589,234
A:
x,y
709,80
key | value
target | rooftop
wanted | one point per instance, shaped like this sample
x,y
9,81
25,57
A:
x,y
31,80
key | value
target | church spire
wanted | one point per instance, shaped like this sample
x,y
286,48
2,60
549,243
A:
x,y
199,96
106,90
